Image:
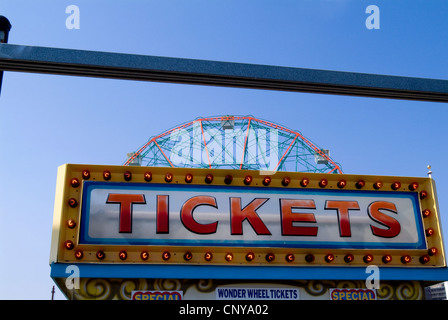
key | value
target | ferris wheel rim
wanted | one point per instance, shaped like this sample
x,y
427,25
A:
x,y
249,118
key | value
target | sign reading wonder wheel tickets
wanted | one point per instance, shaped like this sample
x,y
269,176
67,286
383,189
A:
x,y
155,215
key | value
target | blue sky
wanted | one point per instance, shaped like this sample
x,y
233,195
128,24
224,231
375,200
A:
x,y
47,120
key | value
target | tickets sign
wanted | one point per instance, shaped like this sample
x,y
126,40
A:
x,y
173,215
353,294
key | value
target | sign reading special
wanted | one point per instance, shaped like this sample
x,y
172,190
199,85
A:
x,y
112,214
353,294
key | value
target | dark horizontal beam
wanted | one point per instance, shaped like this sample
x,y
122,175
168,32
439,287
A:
x,y
215,73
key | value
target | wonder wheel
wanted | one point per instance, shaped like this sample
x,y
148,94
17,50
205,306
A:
x,y
234,142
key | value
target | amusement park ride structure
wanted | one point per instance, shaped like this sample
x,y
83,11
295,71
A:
x,y
234,142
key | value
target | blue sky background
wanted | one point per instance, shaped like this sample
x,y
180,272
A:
x,y
46,120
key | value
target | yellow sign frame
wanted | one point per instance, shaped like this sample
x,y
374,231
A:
x,y
65,247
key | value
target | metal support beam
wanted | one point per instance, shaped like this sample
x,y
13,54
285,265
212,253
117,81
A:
x,y
215,73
